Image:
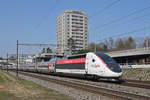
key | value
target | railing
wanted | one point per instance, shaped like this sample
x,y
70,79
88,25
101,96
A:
x,y
127,65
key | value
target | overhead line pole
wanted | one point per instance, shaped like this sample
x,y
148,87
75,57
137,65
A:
x,y
17,59
7,62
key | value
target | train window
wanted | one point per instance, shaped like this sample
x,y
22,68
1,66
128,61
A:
x,y
93,60
105,57
109,61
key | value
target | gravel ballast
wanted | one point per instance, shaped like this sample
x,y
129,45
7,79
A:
x,y
83,95
71,92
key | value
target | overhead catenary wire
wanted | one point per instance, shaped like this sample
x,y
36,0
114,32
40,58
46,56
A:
x,y
122,18
125,33
104,9
36,44
46,16
129,20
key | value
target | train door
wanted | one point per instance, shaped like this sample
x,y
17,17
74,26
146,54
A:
x,y
93,65
86,64
89,64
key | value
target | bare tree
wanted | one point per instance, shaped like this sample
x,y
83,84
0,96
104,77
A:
x,y
103,47
91,46
119,44
146,42
130,43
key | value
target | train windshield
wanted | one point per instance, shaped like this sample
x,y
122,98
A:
x,y
109,61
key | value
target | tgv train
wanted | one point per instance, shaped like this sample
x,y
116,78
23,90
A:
x,y
96,65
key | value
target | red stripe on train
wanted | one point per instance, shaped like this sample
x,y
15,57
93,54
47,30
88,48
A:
x,y
71,61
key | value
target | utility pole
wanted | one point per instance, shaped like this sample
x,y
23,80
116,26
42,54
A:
x,y
147,42
7,62
95,47
17,59
95,44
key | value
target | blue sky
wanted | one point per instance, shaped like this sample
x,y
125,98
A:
x,y
34,21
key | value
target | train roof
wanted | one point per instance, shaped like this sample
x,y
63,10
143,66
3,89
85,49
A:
x,y
76,56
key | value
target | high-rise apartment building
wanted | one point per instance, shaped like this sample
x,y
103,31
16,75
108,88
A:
x,y
71,29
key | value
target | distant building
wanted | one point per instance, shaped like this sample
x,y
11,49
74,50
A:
x,y
72,25
43,57
26,58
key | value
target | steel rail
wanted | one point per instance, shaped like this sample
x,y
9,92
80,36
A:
x,y
136,83
120,95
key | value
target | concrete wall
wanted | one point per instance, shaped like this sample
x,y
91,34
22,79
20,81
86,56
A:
x,y
136,74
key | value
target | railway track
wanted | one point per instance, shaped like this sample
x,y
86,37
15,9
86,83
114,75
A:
x,y
136,83
114,94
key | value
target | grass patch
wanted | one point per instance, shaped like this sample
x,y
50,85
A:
x,y
4,95
1,78
13,88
